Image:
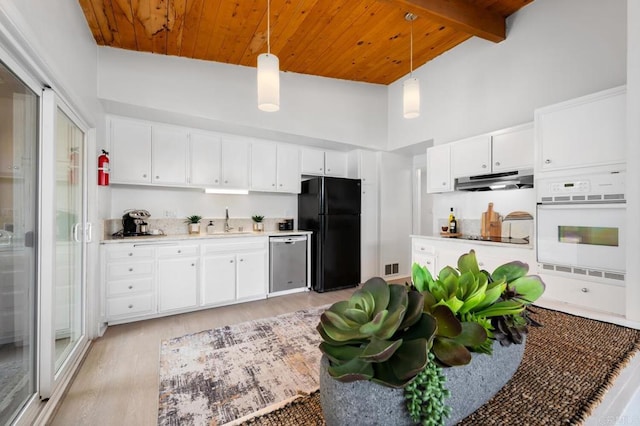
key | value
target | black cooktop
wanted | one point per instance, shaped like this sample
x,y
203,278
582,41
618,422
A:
x,y
496,239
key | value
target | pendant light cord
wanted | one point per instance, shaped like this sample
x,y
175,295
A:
x,y
411,48
268,27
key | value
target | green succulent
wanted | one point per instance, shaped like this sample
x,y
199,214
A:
x,y
475,296
257,218
193,219
425,396
381,334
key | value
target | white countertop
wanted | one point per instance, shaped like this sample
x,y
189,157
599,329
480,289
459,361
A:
x,y
201,236
473,242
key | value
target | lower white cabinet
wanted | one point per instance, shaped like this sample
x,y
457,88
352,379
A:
x,y
234,269
146,280
177,277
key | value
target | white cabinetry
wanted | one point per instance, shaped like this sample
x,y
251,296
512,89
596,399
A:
x,y
471,156
275,167
587,131
363,165
318,162
439,169
129,281
235,162
512,149
234,269
169,146
505,150
130,153
177,277
205,150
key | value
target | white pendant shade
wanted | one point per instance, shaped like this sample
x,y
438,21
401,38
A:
x,y
411,98
268,82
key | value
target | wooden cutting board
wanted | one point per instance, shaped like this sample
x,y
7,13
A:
x,y
490,225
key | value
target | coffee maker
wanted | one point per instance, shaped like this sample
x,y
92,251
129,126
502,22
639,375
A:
x,y
134,223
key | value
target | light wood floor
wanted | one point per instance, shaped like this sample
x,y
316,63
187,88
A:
x,y
118,381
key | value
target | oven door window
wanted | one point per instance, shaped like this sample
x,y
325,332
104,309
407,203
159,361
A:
x,y
582,235
592,235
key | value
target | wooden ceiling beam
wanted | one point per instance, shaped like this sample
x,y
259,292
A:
x,y
462,15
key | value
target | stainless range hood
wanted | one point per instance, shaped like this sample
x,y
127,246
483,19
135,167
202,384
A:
x,y
496,181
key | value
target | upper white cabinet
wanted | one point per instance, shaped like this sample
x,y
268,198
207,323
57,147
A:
x,y
275,167
169,149
363,165
505,150
512,149
205,151
471,156
587,131
235,162
318,162
130,151
439,169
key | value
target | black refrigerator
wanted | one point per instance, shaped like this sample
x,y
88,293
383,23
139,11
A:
x,y
330,207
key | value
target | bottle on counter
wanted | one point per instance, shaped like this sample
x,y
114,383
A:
x,y
210,228
453,223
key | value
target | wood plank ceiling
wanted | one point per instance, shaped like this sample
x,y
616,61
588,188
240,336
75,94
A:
x,y
360,40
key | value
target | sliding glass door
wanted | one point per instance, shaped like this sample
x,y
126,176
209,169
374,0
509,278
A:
x,y
64,233
18,219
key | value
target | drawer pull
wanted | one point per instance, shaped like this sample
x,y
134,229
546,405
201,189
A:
x,y
421,248
193,264
584,290
130,254
547,161
130,306
130,269
231,261
130,287
179,251
241,260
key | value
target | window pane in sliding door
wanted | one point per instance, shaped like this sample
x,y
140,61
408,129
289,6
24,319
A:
x,y
18,168
69,220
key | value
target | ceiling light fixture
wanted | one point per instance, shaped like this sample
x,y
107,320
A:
x,y
268,74
411,86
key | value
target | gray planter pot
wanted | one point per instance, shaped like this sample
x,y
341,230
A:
x,y
368,403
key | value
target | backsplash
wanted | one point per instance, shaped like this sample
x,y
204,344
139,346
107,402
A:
x,y
177,226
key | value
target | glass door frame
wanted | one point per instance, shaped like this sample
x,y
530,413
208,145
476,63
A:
x,y
51,379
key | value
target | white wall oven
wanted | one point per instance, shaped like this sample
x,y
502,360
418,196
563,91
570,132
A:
x,y
581,228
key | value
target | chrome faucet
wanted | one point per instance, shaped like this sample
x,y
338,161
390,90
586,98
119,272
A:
x,y
227,228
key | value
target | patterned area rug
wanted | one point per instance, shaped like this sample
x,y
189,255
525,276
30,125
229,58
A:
x,y
222,375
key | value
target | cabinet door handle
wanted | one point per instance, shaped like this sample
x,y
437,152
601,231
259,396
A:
x,y
144,175
130,306
157,177
226,181
193,264
179,251
231,261
130,254
480,264
584,290
273,184
497,163
216,181
547,161
484,166
428,262
130,287
280,184
444,183
241,260
130,269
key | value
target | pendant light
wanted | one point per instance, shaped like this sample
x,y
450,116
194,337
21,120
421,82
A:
x,y
411,86
268,74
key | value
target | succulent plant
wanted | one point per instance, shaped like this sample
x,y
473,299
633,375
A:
x,y
257,218
381,334
193,219
494,301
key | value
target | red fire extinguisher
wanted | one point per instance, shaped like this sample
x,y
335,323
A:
x,y
103,169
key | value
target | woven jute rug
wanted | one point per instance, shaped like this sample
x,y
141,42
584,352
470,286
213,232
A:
x,y
568,365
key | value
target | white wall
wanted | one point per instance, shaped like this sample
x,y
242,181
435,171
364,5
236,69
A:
x,y
633,157
395,211
311,107
555,50
185,202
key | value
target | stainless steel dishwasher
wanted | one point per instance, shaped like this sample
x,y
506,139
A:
x,y
287,263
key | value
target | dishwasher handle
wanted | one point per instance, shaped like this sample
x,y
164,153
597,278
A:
x,y
288,240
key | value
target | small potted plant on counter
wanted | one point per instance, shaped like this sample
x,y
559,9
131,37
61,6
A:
x,y
194,223
258,226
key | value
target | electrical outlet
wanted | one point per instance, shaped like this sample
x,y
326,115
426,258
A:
x,y
387,269
395,268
